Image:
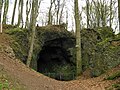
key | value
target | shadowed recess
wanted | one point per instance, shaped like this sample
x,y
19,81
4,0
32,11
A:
x,y
54,60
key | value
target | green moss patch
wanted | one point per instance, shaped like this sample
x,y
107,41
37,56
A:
x,y
116,86
114,76
8,83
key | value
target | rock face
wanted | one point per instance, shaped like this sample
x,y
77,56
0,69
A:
x,y
54,52
100,50
54,55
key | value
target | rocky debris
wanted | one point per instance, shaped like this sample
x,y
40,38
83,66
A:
x,y
115,43
1,67
8,50
1,48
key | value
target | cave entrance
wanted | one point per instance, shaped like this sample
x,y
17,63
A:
x,y
55,62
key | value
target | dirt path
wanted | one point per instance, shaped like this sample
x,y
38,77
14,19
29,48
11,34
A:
x,y
33,80
29,78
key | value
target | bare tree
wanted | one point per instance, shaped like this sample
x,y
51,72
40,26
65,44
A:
x,y
87,12
104,12
78,39
50,12
20,18
13,15
58,9
100,13
61,13
6,5
67,20
119,13
1,4
28,9
97,13
111,3
34,14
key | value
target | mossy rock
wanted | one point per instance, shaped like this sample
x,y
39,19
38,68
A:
x,y
45,36
105,32
98,54
8,27
20,42
64,72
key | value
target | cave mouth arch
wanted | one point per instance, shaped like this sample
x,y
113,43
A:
x,y
55,61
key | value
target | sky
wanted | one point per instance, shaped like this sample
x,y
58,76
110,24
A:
x,y
44,9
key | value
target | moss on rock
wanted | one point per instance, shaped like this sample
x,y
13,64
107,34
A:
x,y
48,36
98,51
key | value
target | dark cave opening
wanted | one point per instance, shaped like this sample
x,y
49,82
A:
x,y
50,56
54,61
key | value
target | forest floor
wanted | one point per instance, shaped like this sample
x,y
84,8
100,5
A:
x,y
25,78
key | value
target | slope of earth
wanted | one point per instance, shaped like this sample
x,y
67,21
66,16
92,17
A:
x,y
32,80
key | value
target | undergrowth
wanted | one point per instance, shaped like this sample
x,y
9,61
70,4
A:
x,y
114,76
4,85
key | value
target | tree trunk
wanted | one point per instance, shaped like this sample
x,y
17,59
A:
x,y
78,39
67,20
32,27
110,13
49,13
119,13
103,13
87,3
22,13
28,9
97,13
20,19
58,9
6,5
12,22
1,4
61,12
